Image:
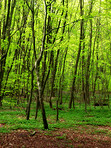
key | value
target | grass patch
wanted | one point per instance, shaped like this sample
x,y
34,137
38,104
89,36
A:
x,y
15,118
61,137
101,131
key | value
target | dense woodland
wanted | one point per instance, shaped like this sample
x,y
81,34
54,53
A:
x,y
55,49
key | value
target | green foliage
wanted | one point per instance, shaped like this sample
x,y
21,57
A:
x,y
22,36
61,137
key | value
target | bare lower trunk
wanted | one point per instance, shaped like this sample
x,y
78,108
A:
x,y
40,91
57,116
37,104
0,101
44,115
30,99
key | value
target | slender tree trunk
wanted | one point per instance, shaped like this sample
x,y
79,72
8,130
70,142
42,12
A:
x,y
0,67
61,81
97,51
57,116
37,104
57,56
30,99
37,63
88,59
88,65
78,55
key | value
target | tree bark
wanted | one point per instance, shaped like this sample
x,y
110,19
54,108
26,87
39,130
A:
x,y
30,99
37,62
57,56
78,55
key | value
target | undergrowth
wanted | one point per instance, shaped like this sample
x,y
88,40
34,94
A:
x,y
15,118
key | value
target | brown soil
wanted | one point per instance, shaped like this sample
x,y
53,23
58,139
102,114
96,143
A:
x,y
80,137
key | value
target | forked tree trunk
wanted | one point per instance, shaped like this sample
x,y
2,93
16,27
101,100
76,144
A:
x,y
37,63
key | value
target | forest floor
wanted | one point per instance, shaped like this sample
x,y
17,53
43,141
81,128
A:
x,y
85,136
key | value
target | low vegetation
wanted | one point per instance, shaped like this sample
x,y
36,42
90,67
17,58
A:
x,y
15,118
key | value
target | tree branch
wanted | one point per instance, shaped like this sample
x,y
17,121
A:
x,y
44,37
28,5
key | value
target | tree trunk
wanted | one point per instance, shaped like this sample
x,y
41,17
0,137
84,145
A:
x,y
37,104
89,57
0,66
37,63
78,55
58,51
30,99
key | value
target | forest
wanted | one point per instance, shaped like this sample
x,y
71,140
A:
x,y
55,59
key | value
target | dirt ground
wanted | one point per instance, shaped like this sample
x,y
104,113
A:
x,y
81,137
